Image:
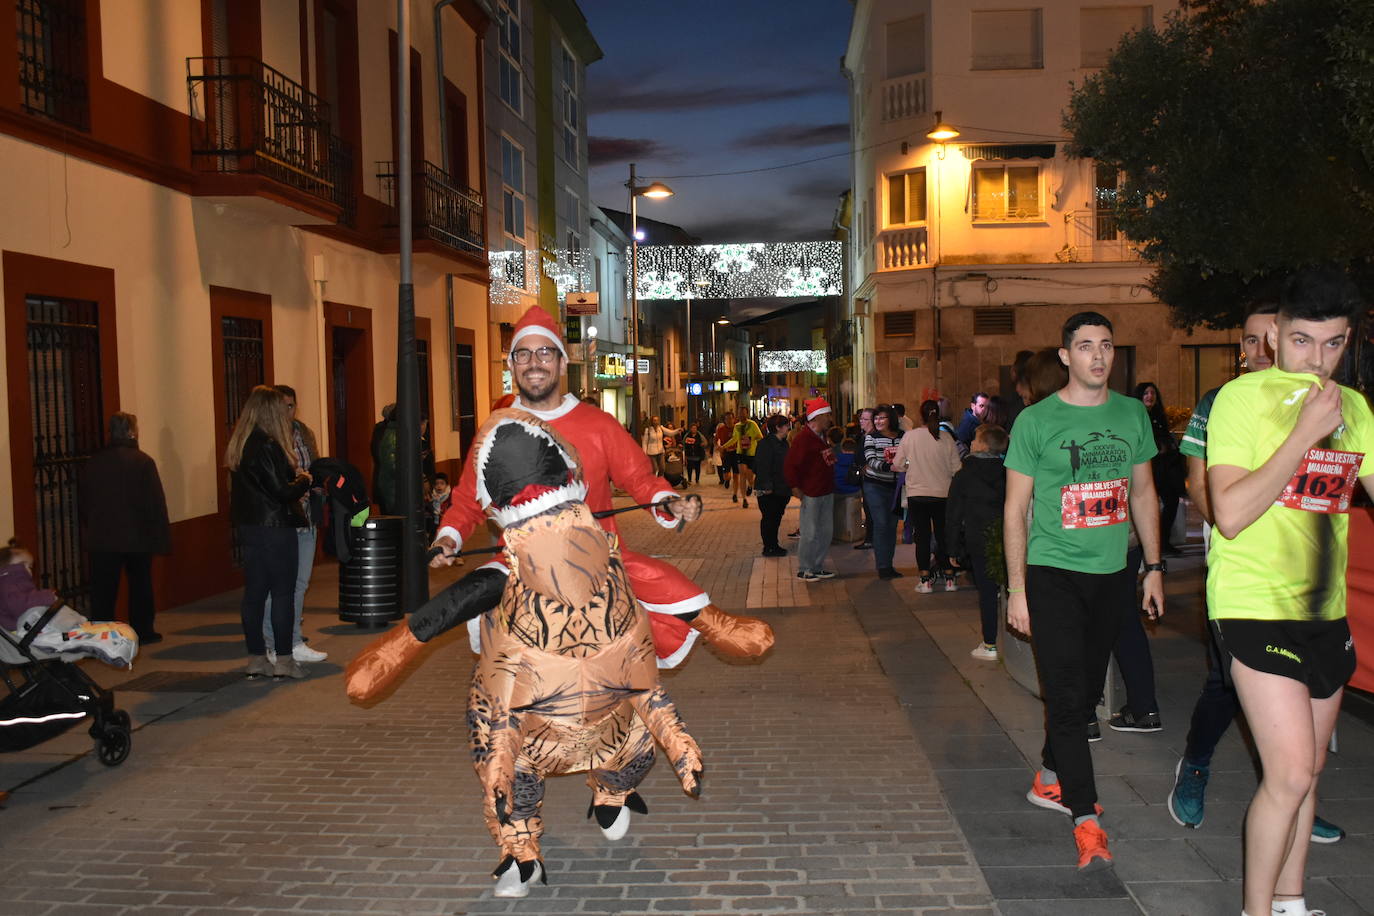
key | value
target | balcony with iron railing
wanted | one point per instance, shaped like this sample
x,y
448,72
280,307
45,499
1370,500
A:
x,y
255,131
444,211
1094,236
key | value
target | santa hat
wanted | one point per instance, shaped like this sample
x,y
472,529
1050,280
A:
x,y
537,321
815,407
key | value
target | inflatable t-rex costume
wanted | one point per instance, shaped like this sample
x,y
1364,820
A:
x,y
567,680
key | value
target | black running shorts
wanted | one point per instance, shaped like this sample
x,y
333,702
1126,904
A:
x,y
1318,653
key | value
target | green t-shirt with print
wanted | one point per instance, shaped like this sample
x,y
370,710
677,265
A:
x,y
1081,459
1290,563
1194,444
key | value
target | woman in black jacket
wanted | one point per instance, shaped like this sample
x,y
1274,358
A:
x,y
972,513
265,490
769,486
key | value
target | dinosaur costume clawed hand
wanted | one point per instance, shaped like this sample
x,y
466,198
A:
x,y
567,680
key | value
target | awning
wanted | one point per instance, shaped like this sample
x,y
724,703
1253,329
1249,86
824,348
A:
x,y
1009,151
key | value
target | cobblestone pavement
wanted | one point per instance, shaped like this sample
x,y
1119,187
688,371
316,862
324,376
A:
x,y
262,797
868,765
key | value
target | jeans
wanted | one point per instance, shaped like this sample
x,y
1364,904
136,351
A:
x,y
1132,650
1215,709
988,591
105,570
817,529
878,498
771,507
269,567
305,563
1074,619
927,513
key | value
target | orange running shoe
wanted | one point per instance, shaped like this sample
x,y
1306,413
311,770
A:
x,y
1092,846
1050,797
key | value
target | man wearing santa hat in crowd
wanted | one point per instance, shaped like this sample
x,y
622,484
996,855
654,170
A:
x,y
679,609
810,472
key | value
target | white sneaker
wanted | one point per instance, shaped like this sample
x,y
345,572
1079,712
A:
x,y
924,586
950,584
271,656
508,883
619,827
303,653
985,652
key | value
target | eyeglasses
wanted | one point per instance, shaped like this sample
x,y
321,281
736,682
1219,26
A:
x,y
545,355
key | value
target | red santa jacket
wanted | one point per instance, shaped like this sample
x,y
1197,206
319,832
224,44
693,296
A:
x,y
609,455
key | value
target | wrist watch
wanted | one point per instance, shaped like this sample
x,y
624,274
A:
x,y
1159,567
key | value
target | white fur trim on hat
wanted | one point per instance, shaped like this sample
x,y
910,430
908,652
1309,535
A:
x,y
815,408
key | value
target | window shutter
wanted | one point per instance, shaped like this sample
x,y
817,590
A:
x,y
899,324
1006,40
906,47
1101,28
916,197
896,200
994,321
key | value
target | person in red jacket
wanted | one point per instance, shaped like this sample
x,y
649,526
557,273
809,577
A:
x,y
679,608
809,471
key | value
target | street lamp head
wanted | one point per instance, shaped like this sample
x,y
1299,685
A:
x,y
722,321
655,190
942,131
701,282
639,235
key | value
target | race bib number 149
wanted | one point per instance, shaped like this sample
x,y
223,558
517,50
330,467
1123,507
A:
x,y
1324,482
1093,504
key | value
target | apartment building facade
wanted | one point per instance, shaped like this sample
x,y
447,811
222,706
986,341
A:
x,y
201,197
539,224
965,251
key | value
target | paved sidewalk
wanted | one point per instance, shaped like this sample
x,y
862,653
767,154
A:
x,y
868,765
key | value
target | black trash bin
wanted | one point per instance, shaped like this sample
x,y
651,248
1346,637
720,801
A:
x,y
370,582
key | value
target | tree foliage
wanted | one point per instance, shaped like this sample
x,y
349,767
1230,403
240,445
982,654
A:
x,y
1244,134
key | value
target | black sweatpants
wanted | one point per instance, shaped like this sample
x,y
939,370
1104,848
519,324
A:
x,y
1132,650
105,570
1075,618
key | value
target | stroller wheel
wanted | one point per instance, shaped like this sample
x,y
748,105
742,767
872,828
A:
x,y
112,747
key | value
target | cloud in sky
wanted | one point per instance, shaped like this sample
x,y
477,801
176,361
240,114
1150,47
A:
x,y
793,136
631,95
611,150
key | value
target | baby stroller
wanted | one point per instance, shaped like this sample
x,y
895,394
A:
x,y
48,694
672,465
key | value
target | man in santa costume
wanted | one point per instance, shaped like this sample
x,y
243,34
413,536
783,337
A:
x,y
678,608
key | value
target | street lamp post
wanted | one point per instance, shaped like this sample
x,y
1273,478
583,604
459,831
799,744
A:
x,y
715,352
655,190
702,283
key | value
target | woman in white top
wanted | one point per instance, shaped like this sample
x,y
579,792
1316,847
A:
x,y
930,459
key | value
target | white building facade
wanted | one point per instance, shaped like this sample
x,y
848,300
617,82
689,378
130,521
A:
x,y
964,252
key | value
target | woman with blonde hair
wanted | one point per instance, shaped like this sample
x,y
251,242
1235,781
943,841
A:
x,y
265,490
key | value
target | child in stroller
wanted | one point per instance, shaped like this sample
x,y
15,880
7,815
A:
x,y
40,639
673,466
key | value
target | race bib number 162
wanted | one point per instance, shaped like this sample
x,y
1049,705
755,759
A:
x,y
1093,504
1324,481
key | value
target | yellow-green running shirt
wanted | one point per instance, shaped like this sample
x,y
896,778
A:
x,y
1290,563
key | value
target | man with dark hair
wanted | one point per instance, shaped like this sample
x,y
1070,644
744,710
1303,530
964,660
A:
x,y
124,522
1083,454
973,416
1285,447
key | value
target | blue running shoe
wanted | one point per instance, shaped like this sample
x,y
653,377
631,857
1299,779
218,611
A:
x,y
1326,832
1185,799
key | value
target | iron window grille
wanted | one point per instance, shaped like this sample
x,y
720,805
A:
x,y
52,60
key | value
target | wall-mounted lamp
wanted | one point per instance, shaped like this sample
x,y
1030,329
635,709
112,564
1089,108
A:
x,y
941,133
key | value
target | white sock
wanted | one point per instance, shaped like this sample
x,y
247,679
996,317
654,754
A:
x,y
1049,777
1295,907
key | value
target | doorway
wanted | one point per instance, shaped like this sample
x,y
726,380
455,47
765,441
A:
x,y
352,412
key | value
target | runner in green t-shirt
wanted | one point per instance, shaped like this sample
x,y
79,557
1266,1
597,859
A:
x,y
1082,455
1284,449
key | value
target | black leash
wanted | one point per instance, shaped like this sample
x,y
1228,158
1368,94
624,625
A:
x,y
436,551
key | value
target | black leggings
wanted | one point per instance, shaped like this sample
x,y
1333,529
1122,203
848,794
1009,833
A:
x,y
694,470
927,513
